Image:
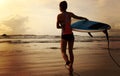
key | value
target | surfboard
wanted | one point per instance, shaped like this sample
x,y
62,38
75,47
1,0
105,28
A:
x,y
91,26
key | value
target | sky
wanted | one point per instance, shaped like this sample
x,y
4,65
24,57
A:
x,y
39,16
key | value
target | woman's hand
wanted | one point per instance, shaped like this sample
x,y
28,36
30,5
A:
x,y
86,19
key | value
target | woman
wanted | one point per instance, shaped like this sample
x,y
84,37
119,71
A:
x,y
67,37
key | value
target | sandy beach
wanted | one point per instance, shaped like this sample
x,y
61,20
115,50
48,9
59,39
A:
x,y
41,56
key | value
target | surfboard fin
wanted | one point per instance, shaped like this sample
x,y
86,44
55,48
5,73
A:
x,y
107,36
90,34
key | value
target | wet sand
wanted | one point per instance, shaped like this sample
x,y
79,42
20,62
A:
x,y
44,58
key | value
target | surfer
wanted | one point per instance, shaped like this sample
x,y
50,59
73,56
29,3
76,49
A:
x,y
67,37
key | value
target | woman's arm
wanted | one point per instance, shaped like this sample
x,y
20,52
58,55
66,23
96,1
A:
x,y
78,17
58,23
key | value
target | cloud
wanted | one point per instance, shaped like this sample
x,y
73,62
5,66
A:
x,y
16,24
4,29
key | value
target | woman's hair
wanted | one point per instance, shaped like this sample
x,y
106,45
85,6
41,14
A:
x,y
63,5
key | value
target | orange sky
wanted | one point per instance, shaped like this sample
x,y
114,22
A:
x,y
39,16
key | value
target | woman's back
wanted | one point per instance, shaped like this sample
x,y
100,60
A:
x,y
65,21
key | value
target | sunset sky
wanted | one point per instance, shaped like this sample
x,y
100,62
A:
x,y
39,16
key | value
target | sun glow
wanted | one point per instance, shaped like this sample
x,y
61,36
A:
x,y
2,2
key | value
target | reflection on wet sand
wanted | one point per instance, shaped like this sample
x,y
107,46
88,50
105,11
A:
x,y
44,59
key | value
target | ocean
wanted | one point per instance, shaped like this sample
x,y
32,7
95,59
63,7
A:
x,y
40,55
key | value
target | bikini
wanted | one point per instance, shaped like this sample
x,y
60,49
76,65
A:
x,y
67,33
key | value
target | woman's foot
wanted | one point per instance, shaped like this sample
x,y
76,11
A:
x,y
67,64
70,69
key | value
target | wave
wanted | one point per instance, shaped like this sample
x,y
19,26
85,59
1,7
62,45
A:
x,y
50,38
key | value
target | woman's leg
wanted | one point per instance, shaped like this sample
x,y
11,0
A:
x,y
70,47
63,50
